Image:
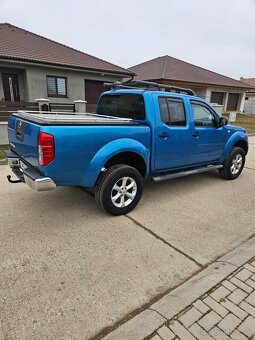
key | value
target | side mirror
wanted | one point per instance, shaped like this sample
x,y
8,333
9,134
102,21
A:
x,y
223,121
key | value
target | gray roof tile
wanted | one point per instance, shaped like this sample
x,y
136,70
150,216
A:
x,y
169,68
19,44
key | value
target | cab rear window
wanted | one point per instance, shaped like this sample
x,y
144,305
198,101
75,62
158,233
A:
x,y
122,105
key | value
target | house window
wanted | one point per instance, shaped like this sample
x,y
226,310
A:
x,y
217,97
56,86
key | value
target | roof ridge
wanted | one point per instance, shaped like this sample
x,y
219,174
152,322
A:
x,y
203,68
164,68
246,79
56,42
144,62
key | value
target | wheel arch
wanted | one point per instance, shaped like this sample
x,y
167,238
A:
x,y
123,151
242,144
128,158
238,139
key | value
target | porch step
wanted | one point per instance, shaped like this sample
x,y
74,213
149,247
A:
x,y
186,173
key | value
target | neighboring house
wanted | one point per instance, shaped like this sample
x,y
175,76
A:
x,y
211,86
33,67
249,104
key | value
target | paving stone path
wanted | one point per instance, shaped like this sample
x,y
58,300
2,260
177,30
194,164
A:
x,y
225,312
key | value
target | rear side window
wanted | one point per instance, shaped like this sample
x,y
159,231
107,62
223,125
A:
x,y
122,105
172,111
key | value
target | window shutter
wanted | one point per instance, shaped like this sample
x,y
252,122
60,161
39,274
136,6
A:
x,y
61,86
51,84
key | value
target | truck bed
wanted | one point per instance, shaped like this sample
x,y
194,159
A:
x,y
61,118
82,143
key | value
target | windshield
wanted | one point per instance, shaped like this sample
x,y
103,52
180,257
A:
x,y
122,105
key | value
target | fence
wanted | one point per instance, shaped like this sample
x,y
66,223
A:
x,y
61,107
6,108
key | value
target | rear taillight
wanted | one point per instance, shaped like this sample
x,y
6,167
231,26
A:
x,y
45,148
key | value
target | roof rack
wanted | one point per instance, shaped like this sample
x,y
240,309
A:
x,y
149,85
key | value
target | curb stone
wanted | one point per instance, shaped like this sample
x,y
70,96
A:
x,y
180,298
139,327
3,161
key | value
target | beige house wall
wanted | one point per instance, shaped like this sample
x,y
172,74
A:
x,y
33,84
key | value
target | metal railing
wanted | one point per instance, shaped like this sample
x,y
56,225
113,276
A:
x,y
61,107
7,108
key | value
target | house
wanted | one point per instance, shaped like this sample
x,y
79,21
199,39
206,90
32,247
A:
x,y
249,104
32,67
211,86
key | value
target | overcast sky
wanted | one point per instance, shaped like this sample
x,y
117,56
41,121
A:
x,y
216,34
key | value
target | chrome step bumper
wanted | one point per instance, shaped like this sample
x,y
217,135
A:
x,y
38,182
27,174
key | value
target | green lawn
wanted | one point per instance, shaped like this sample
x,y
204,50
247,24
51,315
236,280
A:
x,y
245,121
2,148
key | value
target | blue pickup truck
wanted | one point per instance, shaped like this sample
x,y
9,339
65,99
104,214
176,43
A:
x,y
139,129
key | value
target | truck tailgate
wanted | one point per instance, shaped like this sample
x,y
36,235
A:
x,y
23,138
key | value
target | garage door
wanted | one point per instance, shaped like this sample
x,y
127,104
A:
x,y
233,99
93,89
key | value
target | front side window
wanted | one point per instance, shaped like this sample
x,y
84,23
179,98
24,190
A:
x,y
56,86
203,117
122,105
172,111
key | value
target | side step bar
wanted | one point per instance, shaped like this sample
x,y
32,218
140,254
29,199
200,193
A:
x,y
186,173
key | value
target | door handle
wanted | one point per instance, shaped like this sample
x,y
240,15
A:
x,y
196,134
164,135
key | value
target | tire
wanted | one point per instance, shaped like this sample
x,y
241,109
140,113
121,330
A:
x,y
233,164
112,193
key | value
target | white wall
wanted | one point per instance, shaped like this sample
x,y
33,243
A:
x,y
3,133
226,92
249,105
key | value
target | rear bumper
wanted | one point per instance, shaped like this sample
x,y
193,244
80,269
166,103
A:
x,y
28,174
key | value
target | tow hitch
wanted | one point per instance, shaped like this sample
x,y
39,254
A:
x,y
12,180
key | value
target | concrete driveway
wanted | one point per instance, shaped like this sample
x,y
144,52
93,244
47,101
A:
x,y
70,271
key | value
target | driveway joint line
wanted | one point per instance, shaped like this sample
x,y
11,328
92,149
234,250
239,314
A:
x,y
246,167
167,243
